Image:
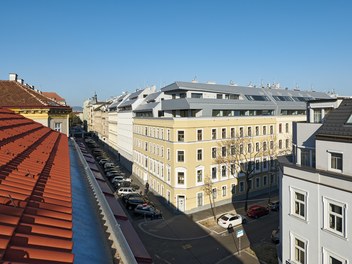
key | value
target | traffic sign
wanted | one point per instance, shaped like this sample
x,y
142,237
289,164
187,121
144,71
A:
x,y
239,233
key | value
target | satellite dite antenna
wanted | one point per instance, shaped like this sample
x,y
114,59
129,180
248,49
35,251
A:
x,y
195,79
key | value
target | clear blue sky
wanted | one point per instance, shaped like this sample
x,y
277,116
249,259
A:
x,y
77,47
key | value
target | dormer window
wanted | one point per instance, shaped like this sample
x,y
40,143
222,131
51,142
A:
x,y
349,121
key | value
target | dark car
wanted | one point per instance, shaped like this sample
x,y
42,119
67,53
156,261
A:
x,y
147,210
256,211
133,201
274,206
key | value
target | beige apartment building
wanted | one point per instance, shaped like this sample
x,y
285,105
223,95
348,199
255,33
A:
x,y
176,147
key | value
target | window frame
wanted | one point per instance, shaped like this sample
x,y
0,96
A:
x,y
293,204
327,213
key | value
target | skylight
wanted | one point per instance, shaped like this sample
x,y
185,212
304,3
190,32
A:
x,y
349,120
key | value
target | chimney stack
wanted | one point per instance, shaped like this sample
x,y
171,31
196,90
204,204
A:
x,y
21,81
12,77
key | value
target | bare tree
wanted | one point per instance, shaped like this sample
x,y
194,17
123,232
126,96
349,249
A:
x,y
239,157
208,190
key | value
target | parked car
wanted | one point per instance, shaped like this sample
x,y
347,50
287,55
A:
x,y
133,201
126,190
117,178
275,236
103,161
147,211
109,164
274,206
113,173
256,211
100,157
229,220
127,196
116,168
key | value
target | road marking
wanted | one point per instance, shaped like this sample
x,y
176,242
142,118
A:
x,y
158,257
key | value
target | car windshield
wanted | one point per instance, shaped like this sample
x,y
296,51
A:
x,y
225,218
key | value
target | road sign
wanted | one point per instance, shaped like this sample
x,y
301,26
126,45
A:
x,y
239,233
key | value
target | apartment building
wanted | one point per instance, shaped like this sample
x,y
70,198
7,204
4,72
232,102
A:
x,y
316,187
29,102
178,132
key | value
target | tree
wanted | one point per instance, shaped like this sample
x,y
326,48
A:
x,y
208,190
241,155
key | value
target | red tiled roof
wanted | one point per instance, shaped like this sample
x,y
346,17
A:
x,y
14,94
35,193
54,96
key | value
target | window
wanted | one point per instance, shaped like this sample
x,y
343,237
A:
x,y
299,251
168,154
241,186
223,171
223,133
233,134
241,131
336,161
180,156
257,130
213,152
180,177
199,154
271,130
249,147
257,165
232,149
199,176
215,193
280,144
213,173
199,135
241,149
265,180
181,136
287,143
264,146
233,169
271,144
58,127
224,191
196,95
168,134
280,128
265,164
331,258
199,199
264,130
287,128
213,133
257,147
249,131
299,204
257,183
317,116
334,216
223,151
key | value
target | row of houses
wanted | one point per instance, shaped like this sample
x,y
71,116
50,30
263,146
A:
x,y
177,138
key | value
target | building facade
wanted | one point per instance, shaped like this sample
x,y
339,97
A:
x,y
25,100
316,187
178,135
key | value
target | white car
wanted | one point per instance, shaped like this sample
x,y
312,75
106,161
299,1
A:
x,y
109,164
230,220
126,190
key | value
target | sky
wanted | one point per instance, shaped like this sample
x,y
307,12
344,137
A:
x,y
79,47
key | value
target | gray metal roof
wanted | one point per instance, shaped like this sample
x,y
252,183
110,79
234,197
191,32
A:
x,y
152,96
335,125
127,103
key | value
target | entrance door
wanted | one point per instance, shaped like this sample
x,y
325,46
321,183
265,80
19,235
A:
x,y
181,203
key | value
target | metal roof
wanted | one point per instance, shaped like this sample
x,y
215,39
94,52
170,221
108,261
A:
x,y
35,192
335,125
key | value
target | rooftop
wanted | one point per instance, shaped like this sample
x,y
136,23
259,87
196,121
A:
x,y
35,192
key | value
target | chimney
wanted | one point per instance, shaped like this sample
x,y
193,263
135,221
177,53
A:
x,y
12,77
20,81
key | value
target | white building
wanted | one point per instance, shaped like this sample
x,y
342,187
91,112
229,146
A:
x,y
316,188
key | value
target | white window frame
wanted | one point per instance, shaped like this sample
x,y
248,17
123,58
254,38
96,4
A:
x,y
293,247
202,193
216,134
211,173
202,134
199,168
326,218
58,126
293,192
184,135
184,155
224,191
177,170
330,152
197,154
327,254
